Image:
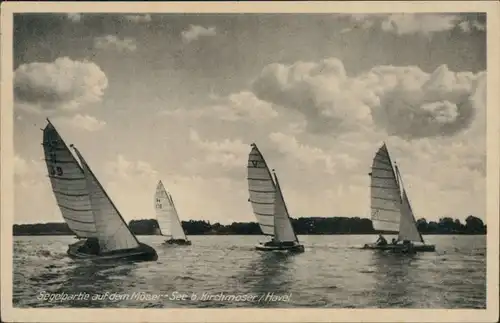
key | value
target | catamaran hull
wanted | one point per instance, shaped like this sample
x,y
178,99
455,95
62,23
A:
x,y
141,253
180,242
295,248
401,248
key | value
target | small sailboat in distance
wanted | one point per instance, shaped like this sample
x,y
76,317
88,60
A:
x,y
87,208
168,218
269,206
390,207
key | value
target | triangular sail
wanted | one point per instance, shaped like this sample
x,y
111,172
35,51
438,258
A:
x,y
179,231
408,225
166,213
68,184
283,230
262,190
385,193
113,232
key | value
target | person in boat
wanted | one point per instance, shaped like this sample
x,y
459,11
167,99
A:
x,y
408,246
381,240
394,241
90,246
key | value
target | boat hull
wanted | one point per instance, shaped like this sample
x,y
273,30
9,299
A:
x,y
297,248
180,242
401,248
141,253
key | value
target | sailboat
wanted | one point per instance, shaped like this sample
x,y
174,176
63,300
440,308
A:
x,y
168,218
87,208
269,206
390,206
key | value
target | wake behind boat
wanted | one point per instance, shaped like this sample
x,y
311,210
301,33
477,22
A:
x,y
269,206
87,208
168,219
390,208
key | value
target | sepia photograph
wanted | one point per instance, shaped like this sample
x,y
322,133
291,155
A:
x,y
236,159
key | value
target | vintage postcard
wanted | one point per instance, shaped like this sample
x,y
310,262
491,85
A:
x,y
250,162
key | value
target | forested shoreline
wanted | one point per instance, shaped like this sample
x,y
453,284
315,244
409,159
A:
x,y
305,225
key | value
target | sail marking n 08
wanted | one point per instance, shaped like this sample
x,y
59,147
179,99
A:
x,y
166,214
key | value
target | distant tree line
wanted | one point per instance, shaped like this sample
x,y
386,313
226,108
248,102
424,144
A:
x,y
311,225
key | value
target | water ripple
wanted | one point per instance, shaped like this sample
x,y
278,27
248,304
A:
x,y
333,272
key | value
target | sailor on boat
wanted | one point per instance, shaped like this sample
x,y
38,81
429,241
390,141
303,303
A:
x,y
381,241
269,206
390,207
91,246
86,208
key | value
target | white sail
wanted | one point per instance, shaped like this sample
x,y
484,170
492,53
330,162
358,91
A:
x,y
408,226
68,184
283,230
113,232
166,213
262,190
385,193
178,230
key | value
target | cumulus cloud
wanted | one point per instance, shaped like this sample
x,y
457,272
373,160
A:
x,y
423,105
28,172
138,18
20,166
404,101
243,106
415,23
322,92
82,122
195,32
226,153
467,25
367,24
62,84
302,153
74,16
419,23
130,184
115,43
32,192
123,169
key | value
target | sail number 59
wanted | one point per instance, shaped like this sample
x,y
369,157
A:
x,y
55,171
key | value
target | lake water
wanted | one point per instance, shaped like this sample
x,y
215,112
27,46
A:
x,y
333,272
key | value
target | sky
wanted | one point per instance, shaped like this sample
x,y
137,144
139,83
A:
x,y
180,97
